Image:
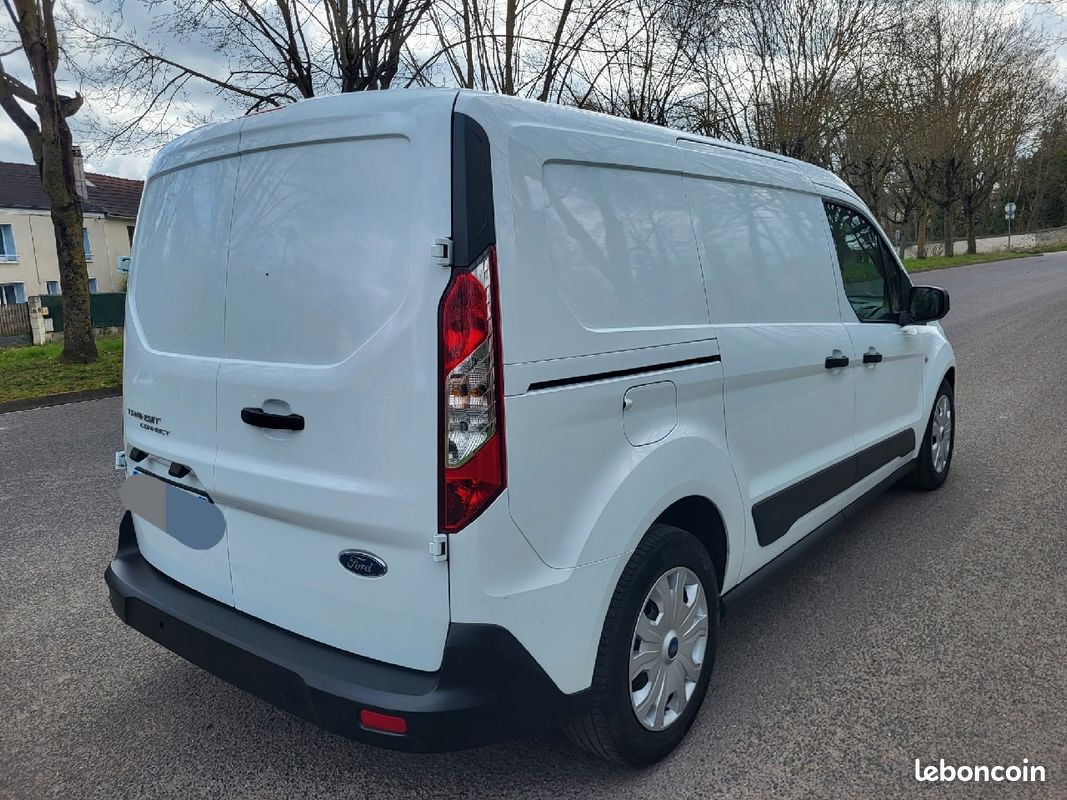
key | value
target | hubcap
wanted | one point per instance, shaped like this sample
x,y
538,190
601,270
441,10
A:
x,y
941,434
667,655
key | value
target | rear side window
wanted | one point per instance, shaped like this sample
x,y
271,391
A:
x,y
870,274
621,244
763,251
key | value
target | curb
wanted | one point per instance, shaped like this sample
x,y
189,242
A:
x,y
59,399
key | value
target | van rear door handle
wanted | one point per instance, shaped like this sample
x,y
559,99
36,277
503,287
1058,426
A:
x,y
275,422
836,361
872,357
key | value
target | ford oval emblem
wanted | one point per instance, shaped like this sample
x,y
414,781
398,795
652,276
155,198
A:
x,y
362,563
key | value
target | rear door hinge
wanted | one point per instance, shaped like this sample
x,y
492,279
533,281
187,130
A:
x,y
441,252
439,547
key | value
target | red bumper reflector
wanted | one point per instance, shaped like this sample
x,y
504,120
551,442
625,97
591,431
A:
x,y
382,722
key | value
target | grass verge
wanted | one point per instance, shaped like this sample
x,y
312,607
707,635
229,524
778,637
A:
x,y
27,372
941,262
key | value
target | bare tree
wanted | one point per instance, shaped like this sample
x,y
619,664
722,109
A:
x,y
782,75
973,82
1011,108
1040,176
526,49
641,67
275,53
51,145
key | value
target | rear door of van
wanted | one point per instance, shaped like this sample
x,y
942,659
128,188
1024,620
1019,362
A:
x,y
174,340
331,314
330,318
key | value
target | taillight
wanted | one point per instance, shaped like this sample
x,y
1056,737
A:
x,y
472,395
387,723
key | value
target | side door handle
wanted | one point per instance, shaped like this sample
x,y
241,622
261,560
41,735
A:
x,y
274,422
872,356
837,360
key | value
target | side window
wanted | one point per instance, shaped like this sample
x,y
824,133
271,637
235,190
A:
x,y
871,276
86,246
11,293
7,244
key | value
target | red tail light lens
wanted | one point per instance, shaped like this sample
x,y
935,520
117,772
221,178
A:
x,y
466,322
472,395
387,723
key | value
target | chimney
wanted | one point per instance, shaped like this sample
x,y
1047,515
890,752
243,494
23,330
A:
x,y
79,174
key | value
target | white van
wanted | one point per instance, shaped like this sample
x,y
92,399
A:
x,y
450,416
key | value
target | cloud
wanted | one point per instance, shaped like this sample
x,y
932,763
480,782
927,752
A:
x,y
198,101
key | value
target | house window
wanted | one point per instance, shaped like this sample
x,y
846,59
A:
x,y
7,244
92,286
129,232
11,293
53,287
86,246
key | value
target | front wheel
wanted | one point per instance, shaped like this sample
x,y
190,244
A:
x,y
935,455
656,651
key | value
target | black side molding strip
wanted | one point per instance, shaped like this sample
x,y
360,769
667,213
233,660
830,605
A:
x,y
622,373
750,586
775,515
877,456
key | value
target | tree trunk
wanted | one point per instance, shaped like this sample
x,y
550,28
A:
x,y
511,13
950,232
920,231
53,152
57,176
972,241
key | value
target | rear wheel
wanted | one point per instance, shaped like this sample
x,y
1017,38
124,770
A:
x,y
935,455
656,651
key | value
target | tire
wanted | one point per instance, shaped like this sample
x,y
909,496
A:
x,y
611,729
930,472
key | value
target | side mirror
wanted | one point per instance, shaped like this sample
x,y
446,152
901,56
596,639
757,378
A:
x,y
926,304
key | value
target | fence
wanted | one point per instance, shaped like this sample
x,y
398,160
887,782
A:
x,y
14,319
108,310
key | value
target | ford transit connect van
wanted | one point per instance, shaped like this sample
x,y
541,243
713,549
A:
x,y
451,416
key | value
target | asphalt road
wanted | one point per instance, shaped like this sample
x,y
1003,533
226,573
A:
x,y
933,627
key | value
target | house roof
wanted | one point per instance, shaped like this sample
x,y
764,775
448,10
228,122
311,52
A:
x,y
20,187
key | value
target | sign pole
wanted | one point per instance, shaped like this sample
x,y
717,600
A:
x,y
1009,215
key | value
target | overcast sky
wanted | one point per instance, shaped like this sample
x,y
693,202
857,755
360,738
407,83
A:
x,y
134,165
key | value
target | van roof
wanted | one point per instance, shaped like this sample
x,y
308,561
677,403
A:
x,y
599,122
523,110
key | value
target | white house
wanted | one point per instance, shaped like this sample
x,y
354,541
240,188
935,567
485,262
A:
x,y
28,262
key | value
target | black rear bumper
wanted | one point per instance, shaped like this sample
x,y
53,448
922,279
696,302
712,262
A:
x,y
487,689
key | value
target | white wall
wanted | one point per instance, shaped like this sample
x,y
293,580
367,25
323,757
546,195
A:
x,y
35,246
996,244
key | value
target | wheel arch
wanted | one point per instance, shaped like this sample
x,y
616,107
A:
x,y
941,366
706,502
700,517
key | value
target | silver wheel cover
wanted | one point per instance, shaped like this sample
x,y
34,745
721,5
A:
x,y
941,434
668,648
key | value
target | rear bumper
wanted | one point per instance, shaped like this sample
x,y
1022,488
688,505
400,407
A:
x,y
487,689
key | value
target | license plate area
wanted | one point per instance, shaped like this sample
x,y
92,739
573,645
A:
x,y
184,513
